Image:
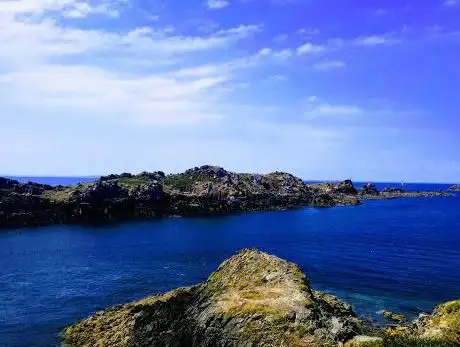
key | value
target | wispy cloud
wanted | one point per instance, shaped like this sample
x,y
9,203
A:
x,y
328,65
375,40
309,48
217,4
283,54
44,65
341,110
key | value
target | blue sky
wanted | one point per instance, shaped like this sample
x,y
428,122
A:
x,y
325,89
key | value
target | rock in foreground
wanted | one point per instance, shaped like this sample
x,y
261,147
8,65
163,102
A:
x,y
253,299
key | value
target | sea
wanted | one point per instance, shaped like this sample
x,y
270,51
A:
x,y
400,254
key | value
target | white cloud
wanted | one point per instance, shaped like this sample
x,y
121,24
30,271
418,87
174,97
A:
x,y
217,4
345,110
381,12
329,65
322,110
68,8
140,75
265,51
308,31
375,40
309,48
336,113
278,77
283,54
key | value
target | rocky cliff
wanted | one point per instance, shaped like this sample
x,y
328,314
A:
x,y
200,191
255,299
206,190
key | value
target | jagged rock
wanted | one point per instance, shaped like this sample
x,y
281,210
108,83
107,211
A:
x,y
253,299
454,188
152,190
346,187
392,190
6,183
114,177
206,190
399,318
208,170
369,189
442,325
157,175
100,192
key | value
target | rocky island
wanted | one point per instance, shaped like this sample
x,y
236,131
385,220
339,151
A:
x,y
206,190
455,188
255,299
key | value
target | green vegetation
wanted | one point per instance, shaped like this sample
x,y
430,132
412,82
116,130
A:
x,y
181,182
414,341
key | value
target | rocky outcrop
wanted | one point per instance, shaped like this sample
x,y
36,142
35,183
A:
x,y
256,299
369,189
201,191
455,188
337,188
392,190
253,299
346,187
206,190
439,329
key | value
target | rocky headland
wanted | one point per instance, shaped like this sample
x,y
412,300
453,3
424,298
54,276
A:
x,y
255,299
206,190
455,188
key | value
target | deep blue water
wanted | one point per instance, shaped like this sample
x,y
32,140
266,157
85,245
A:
x,y
54,181
401,254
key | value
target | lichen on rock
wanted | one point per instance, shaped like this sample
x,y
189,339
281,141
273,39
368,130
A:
x,y
252,299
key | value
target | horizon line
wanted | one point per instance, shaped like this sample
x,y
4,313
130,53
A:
x,y
304,180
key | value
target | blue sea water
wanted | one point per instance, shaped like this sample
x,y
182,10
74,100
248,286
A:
x,y
54,181
400,254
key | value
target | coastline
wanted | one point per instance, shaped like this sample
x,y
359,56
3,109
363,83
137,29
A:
x,y
201,191
257,299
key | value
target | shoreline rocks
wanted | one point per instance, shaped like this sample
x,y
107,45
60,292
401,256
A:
x,y
256,299
201,191
252,299
454,188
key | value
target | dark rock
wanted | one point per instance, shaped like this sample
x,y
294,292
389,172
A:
x,y
369,189
399,318
158,175
100,192
392,190
454,188
346,187
114,177
152,190
208,170
6,183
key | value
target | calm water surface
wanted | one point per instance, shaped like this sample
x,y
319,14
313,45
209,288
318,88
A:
x,y
402,255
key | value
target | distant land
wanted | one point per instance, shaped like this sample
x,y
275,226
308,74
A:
x,y
200,191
